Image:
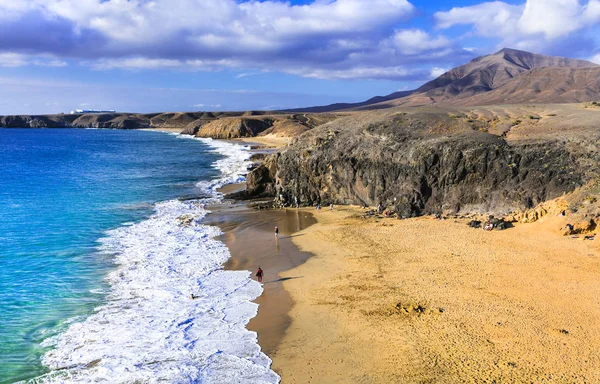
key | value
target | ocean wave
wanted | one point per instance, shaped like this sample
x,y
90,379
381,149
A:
x,y
233,166
150,330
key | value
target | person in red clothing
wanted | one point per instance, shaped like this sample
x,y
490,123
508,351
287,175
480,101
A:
x,y
259,274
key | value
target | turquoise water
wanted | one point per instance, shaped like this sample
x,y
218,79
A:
x,y
60,190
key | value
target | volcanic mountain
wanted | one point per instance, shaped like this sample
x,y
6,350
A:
x,y
507,76
506,69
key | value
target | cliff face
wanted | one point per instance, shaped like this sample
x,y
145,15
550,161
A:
x,y
104,120
189,121
419,164
250,126
233,128
217,125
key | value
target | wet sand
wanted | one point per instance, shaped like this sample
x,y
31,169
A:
x,y
232,188
249,235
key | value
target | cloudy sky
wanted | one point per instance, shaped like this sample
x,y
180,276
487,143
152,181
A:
x,y
188,55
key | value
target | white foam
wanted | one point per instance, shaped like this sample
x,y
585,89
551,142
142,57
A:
x,y
233,166
150,330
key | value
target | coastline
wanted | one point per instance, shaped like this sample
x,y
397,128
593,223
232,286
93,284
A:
x,y
418,300
164,130
173,236
248,234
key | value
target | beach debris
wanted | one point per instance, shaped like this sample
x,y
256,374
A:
x,y
417,308
185,220
260,205
497,224
93,363
582,227
501,224
564,331
370,213
474,224
568,229
408,308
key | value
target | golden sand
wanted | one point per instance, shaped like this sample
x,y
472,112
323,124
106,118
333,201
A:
x,y
270,141
165,130
430,301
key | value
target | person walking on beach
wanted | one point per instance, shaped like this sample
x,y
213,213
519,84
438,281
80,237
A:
x,y
276,232
259,274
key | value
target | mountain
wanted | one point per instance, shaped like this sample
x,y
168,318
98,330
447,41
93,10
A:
x,y
510,76
507,76
342,106
544,85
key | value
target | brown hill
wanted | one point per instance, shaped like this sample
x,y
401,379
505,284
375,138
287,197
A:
x,y
509,76
474,83
544,85
255,125
360,105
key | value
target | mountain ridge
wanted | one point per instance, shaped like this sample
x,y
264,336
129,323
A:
x,y
462,85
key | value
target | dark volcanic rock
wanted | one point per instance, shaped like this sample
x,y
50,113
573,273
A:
x,y
418,165
260,182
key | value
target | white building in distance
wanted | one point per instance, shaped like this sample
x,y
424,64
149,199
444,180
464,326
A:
x,y
77,111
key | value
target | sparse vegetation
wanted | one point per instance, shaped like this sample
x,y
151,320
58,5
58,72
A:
x,y
592,104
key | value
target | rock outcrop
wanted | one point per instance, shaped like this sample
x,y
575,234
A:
x,y
234,128
252,125
217,125
419,163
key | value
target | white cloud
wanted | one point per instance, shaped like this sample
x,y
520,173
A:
x,y
488,19
339,37
416,41
9,59
553,18
549,19
437,72
207,105
595,59
381,73
210,23
133,63
12,59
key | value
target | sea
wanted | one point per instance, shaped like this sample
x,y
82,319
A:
x,y
101,246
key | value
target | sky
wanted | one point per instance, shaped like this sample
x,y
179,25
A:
x,y
209,55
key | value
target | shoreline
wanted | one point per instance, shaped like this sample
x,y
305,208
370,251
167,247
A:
x,y
174,241
248,234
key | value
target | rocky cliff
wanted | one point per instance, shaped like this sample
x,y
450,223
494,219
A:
x,y
422,161
217,125
250,126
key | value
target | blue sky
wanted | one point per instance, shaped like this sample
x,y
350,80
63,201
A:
x,y
189,55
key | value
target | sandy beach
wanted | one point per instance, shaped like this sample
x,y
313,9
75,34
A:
x,y
165,130
430,301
